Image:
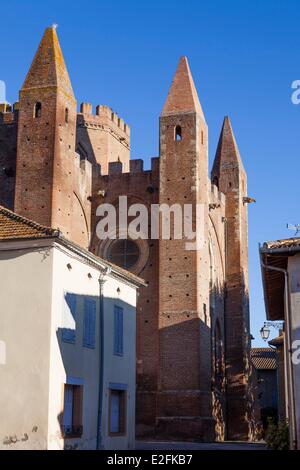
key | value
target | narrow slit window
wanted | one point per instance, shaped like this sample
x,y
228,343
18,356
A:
x,y
37,110
178,134
66,115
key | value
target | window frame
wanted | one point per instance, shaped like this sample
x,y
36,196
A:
x,y
178,133
122,392
77,387
37,110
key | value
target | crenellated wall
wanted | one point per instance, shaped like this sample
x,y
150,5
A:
x,y
102,137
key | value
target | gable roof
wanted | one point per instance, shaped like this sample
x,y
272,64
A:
x,y
14,226
264,358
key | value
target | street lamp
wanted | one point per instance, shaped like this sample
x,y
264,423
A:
x,y
265,332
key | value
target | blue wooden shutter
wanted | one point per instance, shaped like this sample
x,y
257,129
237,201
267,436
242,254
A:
x,y
89,323
68,333
118,330
68,407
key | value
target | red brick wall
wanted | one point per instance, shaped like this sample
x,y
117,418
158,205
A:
x,y
8,150
184,332
140,187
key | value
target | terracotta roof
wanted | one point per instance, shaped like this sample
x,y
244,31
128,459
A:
x,y
264,358
286,243
13,226
278,341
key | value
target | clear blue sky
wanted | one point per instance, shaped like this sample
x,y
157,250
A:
x,y
243,55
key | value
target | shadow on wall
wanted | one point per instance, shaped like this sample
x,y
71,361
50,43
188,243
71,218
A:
x,y
8,150
184,387
218,377
83,142
193,357
228,375
241,400
78,340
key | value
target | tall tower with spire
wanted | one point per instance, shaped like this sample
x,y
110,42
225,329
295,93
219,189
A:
x,y
184,387
51,188
229,175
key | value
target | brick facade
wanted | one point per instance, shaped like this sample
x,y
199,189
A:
x,y
58,166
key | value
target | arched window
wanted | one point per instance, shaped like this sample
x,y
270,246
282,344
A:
x,y
37,110
124,253
178,134
66,115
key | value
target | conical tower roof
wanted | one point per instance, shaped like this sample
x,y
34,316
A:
x,y
182,96
48,68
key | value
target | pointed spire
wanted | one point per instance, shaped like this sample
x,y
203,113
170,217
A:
x,y
227,150
182,96
48,67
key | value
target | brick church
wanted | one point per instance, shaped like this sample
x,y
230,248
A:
x,y
57,166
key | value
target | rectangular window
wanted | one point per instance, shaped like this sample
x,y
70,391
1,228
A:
x,y
117,412
68,331
118,331
72,412
89,323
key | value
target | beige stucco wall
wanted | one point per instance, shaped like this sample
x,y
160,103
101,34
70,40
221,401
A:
x,y
78,361
120,369
73,360
25,306
38,362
